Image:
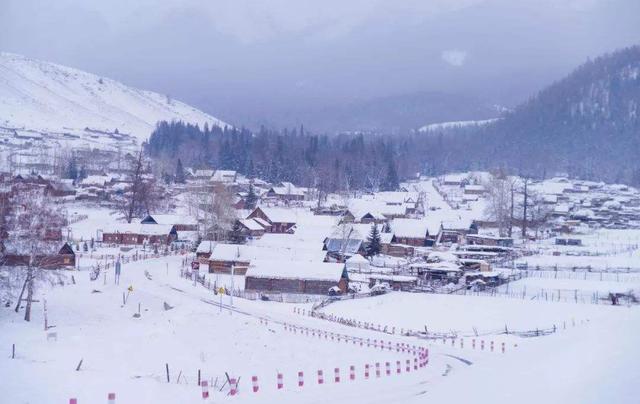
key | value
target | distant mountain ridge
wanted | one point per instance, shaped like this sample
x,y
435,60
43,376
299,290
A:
x,y
46,97
587,124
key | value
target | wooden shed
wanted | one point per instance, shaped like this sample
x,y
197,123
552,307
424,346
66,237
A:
x,y
296,277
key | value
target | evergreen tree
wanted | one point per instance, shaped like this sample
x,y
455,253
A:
x,y
391,182
373,242
252,198
72,170
180,177
236,235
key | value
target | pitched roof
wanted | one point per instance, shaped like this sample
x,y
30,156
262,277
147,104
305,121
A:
x,y
410,228
280,269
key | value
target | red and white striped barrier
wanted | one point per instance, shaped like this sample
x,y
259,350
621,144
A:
x,y
320,377
205,389
279,381
111,398
254,383
233,385
300,379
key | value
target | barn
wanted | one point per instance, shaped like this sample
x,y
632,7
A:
x,y
296,277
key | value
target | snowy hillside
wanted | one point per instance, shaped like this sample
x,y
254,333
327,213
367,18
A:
x,y
44,97
455,124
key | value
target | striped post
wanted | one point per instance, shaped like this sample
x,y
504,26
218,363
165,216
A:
x,y
408,366
491,345
482,345
233,384
320,377
254,383
352,372
280,383
473,343
205,389
377,369
300,378
503,346
398,367
366,371
387,366
415,363
111,398
336,375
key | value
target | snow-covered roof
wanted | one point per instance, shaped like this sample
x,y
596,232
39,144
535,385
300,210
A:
x,y
281,269
279,215
206,246
99,180
243,252
171,219
252,224
410,228
224,176
357,259
288,190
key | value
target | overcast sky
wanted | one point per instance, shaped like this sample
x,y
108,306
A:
x,y
257,61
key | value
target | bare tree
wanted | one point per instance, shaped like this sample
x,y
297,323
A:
x,y
218,214
33,227
499,202
143,194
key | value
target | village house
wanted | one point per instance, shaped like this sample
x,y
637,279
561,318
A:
x,y
203,252
283,276
181,223
478,239
64,258
286,191
225,177
413,232
280,220
225,256
253,228
138,234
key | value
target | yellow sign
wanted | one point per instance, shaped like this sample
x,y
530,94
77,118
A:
x,y
221,290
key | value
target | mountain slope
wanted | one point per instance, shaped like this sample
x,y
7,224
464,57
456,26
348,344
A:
x,y
587,124
45,97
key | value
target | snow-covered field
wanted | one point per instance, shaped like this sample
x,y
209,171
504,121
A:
x,y
127,355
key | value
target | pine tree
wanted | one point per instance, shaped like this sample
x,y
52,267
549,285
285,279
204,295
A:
x,y
251,199
236,235
373,242
391,182
180,177
72,170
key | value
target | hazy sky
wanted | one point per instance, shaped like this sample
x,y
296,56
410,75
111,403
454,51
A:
x,y
263,61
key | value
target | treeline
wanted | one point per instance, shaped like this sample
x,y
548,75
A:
x,y
342,162
586,125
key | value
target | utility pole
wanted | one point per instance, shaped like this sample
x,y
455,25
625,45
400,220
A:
x,y
524,209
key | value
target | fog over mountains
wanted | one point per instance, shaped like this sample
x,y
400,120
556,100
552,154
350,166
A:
x,y
290,63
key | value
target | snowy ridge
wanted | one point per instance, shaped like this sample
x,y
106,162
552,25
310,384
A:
x,y
456,124
47,97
